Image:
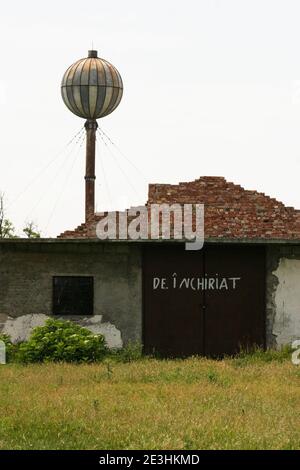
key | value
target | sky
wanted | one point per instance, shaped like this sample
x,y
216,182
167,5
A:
x,y
211,87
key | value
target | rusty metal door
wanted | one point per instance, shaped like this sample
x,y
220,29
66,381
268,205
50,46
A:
x,y
235,308
173,322
208,302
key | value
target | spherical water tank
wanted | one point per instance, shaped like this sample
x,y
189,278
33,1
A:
x,y
92,87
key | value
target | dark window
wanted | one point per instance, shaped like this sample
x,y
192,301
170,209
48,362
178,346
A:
x,y
73,295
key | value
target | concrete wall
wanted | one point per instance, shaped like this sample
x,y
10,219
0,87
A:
x,y
283,295
26,272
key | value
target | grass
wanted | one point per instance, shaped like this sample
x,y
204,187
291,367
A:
x,y
250,402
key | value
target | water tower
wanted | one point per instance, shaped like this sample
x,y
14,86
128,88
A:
x,y
91,88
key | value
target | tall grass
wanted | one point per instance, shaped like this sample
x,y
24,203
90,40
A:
x,y
248,402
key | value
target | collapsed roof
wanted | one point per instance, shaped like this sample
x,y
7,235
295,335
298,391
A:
x,y
230,211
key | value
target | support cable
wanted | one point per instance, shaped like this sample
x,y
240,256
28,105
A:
x,y
43,169
104,174
118,165
65,183
106,136
64,162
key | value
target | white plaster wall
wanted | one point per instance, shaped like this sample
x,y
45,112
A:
x,y
19,328
286,325
111,334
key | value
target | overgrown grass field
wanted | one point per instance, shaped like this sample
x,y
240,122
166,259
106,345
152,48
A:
x,y
244,403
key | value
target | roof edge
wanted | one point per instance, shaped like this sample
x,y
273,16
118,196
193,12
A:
x,y
214,240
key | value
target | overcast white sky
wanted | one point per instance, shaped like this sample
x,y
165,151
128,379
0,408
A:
x,y
211,87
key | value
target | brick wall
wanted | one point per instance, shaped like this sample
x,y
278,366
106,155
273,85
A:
x,y
230,211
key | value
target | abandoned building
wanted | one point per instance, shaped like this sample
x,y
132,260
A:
x,y
108,285
241,289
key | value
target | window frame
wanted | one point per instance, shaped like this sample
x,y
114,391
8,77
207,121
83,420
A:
x,y
54,295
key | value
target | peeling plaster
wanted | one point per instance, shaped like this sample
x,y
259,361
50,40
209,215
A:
x,y
286,325
111,334
19,328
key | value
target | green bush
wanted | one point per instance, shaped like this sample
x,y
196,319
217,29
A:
x,y
62,341
258,355
133,351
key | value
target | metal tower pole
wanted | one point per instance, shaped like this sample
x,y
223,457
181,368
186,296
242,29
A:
x,y
91,129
